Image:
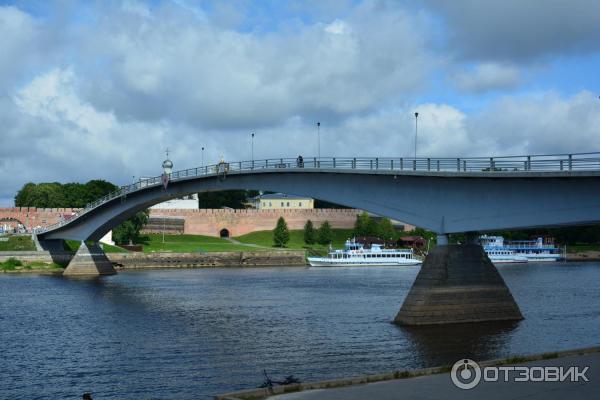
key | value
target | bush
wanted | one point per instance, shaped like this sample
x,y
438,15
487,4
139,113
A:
x,y
325,235
11,264
310,235
281,234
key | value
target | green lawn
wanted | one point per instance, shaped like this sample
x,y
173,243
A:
x,y
189,244
15,265
577,248
17,243
265,239
73,245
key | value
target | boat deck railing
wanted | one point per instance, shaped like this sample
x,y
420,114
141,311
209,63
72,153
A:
x,y
491,165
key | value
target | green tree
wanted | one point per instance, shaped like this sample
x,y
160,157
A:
x,y
385,229
57,195
225,198
128,232
325,235
361,226
310,235
281,234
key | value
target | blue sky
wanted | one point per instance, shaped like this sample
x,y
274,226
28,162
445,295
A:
x,y
99,89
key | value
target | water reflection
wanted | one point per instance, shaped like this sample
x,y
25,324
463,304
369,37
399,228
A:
x,y
443,345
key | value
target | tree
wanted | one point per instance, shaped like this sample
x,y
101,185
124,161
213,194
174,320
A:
x,y
57,195
281,234
310,235
129,231
225,198
325,235
361,226
385,229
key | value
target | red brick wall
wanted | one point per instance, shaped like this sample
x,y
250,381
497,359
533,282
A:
x,y
239,222
33,217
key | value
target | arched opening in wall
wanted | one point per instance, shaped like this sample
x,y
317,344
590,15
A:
x,y
8,224
224,233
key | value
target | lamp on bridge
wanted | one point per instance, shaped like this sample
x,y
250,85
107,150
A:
x,y
167,164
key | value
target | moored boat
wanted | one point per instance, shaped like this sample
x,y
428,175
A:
x,y
354,254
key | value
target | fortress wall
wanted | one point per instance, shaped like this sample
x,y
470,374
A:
x,y
207,222
32,217
210,222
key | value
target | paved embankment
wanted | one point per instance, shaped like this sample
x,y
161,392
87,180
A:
x,y
176,260
431,383
212,259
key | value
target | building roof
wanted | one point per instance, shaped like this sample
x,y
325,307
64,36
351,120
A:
x,y
279,196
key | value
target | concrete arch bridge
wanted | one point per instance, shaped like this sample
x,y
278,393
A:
x,y
445,195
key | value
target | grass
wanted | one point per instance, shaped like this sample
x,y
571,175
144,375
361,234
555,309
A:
x,y
265,239
17,243
578,248
15,265
73,245
189,244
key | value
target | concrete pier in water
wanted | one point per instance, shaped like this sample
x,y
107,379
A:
x,y
89,260
456,284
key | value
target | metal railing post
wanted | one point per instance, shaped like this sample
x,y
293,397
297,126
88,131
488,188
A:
x,y
392,164
561,165
464,165
370,164
492,168
458,164
376,163
415,164
428,164
333,162
528,168
438,165
354,163
401,164
570,162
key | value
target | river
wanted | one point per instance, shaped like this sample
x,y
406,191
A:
x,y
189,334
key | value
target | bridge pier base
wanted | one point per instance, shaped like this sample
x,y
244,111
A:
x,y
89,260
456,284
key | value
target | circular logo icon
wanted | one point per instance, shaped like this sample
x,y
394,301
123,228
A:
x,y
465,374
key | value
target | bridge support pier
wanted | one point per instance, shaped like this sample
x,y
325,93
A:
x,y
456,284
89,260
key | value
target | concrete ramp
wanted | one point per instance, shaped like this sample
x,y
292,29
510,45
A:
x,y
90,261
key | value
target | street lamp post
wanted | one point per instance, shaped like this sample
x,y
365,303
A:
x,y
252,150
203,156
416,131
319,140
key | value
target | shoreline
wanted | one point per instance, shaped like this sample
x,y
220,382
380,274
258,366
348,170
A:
x,y
265,393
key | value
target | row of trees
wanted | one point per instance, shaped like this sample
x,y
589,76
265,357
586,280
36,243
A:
x,y
77,195
323,235
367,226
58,195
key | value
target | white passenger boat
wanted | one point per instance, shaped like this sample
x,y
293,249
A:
x,y
531,250
505,256
355,254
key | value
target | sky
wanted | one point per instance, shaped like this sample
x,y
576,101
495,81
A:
x,y
100,89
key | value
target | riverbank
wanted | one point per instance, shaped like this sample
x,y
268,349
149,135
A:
x,y
132,260
414,383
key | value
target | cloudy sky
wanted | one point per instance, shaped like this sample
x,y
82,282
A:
x,y
100,89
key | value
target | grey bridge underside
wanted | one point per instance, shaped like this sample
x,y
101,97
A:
x,y
441,202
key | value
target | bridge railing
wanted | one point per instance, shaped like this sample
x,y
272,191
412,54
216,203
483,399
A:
x,y
491,165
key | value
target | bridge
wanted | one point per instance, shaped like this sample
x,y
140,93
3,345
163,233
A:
x,y
457,283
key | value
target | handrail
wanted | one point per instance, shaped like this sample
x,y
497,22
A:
x,y
491,165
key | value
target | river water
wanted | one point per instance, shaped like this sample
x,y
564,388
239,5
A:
x,y
188,334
